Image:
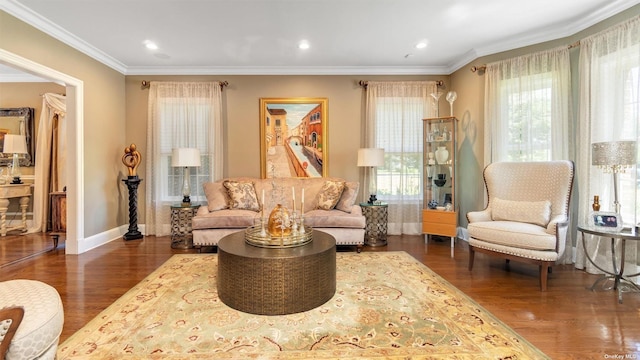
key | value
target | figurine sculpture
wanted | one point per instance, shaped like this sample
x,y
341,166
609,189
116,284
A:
x,y
131,159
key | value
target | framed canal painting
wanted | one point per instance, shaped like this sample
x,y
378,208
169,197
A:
x,y
293,137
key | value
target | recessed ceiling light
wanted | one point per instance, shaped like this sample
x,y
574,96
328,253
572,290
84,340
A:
x,y
421,45
304,45
150,45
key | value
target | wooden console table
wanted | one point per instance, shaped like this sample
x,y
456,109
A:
x,y
11,191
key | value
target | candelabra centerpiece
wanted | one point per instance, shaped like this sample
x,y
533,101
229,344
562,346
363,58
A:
x,y
283,228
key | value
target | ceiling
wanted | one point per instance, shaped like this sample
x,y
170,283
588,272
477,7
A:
x,y
345,36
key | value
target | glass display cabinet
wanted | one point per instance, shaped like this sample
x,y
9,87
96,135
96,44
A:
x,y
440,157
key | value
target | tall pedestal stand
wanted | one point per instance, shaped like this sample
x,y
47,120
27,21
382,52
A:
x,y
132,183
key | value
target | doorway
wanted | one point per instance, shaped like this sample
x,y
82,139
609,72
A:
x,y
75,161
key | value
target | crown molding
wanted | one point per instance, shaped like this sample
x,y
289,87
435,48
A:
x,y
288,70
43,24
558,31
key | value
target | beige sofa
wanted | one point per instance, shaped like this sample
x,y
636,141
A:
x,y
234,204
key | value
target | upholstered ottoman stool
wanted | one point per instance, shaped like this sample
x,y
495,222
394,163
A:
x,y
38,334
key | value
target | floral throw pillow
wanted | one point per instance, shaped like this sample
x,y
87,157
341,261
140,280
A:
x,y
242,195
330,194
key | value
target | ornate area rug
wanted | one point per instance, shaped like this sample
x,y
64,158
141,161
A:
x,y
387,306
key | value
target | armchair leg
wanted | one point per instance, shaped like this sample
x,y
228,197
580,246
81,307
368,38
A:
x,y
471,256
544,271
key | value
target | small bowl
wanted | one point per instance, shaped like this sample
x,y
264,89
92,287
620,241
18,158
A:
x,y
441,208
440,182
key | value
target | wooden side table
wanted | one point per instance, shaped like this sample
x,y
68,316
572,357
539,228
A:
x,y
377,216
181,215
12,191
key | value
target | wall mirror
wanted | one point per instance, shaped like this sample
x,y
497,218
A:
x,y
18,121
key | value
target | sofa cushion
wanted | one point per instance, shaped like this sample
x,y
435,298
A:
x,y
329,195
242,195
225,219
514,234
348,197
217,197
533,212
334,219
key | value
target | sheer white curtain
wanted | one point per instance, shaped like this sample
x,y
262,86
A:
x,y
610,107
394,113
50,160
527,107
181,114
528,112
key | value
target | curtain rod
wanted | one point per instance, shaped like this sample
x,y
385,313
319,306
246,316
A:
x,y
146,84
481,68
364,83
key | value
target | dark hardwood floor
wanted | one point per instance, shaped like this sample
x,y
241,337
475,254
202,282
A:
x,y
566,322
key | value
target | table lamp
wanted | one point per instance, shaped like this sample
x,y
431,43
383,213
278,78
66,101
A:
x,y
16,145
614,157
186,158
371,158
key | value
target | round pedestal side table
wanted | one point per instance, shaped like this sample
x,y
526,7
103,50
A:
x,y
621,281
181,215
376,215
276,281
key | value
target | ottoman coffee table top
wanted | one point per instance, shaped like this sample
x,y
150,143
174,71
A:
x,y
236,245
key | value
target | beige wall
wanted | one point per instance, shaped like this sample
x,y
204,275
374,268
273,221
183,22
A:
x,y
104,119
242,132
470,109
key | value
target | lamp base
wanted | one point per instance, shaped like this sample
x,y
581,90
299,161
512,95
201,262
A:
x,y
186,200
16,180
372,199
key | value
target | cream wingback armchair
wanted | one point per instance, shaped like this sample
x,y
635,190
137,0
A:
x,y
527,216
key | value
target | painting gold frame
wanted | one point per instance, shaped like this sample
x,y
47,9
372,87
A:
x,y
294,137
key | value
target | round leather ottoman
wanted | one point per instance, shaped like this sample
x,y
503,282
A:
x,y
39,332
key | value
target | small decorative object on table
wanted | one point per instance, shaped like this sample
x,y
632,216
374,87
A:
x,y
606,221
432,204
596,203
283,229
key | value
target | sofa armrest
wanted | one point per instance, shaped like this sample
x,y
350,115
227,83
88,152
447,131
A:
x,y
477,216
556,222
356,210
202,210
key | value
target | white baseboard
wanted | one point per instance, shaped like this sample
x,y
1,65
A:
x,y
105,237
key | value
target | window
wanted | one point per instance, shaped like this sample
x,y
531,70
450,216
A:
x,y
394,113
399,132
527,102
172,135
528,118
181,115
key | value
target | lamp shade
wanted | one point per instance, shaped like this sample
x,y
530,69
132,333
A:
x,y
613,153
370,157
184,157
14,144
